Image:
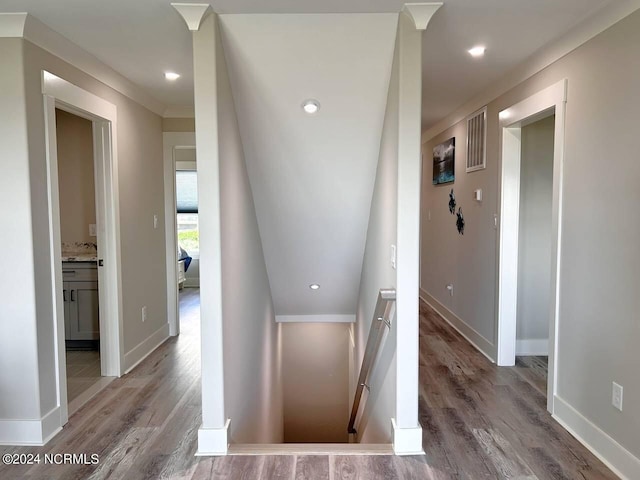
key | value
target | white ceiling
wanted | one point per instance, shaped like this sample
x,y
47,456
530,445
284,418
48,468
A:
x,y
312,176
143,38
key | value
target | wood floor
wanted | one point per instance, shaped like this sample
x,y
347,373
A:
x,y
83,371
479,422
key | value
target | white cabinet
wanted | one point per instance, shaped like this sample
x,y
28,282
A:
x,y
80,295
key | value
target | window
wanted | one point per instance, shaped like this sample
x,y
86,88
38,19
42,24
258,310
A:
x,y
187,211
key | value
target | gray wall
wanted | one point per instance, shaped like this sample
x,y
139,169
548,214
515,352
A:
x,y
315,372
375,426
28,386
252,378
534,238
598,330
18,314
75,177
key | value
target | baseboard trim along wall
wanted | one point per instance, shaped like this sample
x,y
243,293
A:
x,y
213,442
406,441
622,462
141,351
30,432
481,344
532,347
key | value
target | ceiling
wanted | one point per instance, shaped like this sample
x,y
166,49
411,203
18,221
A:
x,y
141,39
311,176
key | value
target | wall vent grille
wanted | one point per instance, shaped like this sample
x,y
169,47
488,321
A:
x,y
477,140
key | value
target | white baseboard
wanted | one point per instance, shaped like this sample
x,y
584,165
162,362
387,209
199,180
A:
x,y
406,441
532,347
622,462
213,442
31,432
481,344
141,351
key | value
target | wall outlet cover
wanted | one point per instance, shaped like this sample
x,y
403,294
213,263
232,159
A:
x,y
144,313
93,231
616,396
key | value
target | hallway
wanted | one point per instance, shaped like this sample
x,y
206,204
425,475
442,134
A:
x,y
479,421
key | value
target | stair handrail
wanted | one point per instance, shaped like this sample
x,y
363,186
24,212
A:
x,y
381,319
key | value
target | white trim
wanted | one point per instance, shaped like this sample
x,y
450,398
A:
x,y
537,347
145,348
574,38
479,342
622,462
30,432
315,318
23,25
550,100
213,442
407,441
12,24
171,141
58,93
192,13
421,13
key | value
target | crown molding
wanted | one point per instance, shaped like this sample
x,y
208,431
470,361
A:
x,y
192,13
421,13
574,38
23,25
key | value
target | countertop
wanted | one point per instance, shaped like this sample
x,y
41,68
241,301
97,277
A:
x,y
79,257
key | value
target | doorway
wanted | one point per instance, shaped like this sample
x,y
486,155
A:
x,y
94,314
182,234
532,143
79,237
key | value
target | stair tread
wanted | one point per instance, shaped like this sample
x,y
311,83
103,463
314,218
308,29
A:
x,y
311,449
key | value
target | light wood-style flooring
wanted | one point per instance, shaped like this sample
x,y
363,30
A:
x,y
479,422
83,371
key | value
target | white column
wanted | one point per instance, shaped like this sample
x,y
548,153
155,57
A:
x,y
407,433
212,436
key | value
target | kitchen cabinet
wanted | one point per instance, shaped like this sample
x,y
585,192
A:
x,y
80,295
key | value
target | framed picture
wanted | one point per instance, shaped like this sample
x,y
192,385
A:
x,y
444,158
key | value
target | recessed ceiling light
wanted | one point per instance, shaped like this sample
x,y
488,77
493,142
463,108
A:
x,y
311,106
171,76
314,286
477,51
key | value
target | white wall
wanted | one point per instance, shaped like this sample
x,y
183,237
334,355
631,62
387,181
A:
x,y
598,329
534,238
377,273
315,369
251,391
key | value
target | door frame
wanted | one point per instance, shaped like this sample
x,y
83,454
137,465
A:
x,y
173,141
551,100
61,94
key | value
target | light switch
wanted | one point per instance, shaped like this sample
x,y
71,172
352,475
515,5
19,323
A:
x,y
393,256
92,230
155,221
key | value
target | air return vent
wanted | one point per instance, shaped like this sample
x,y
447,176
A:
x,y
477,140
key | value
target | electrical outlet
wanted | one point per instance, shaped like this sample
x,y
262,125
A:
x,y
450,288
144,313
616,396
92,230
